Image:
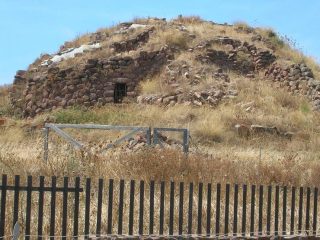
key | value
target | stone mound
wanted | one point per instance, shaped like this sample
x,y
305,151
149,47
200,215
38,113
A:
x,y
109,66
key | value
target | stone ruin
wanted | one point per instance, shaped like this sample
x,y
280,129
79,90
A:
x,y
132,43
298,79
134,144
97,82
255,60
244,57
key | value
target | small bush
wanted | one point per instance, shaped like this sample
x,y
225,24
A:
x,y
274,39
241,26
188,19
286,100
305,107
176,39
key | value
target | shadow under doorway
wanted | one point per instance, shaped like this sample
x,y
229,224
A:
x,y
120,91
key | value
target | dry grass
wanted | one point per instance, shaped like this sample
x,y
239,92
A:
x,y
229,162
212,129
4,92
154,86
188,20
242,26
217,154
169,36
5,107
161,165
212,132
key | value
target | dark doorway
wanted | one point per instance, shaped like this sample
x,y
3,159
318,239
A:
x,y
120,91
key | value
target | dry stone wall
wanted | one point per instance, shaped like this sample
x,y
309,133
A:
x,y
132,43
298,79
90,84
243,57
45,87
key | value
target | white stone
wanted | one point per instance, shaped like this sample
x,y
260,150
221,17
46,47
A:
x,y
70,53
135,26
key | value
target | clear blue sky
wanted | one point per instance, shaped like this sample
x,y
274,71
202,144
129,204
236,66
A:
x,y
31,27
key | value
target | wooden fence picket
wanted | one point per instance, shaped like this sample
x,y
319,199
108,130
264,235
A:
x,y
95,207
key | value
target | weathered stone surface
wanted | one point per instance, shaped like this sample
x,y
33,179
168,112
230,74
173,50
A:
x,y
299,78
92,81
132,43
244,57
88,84
246,131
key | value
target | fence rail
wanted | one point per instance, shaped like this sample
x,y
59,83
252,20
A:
x,y
59,129
50,207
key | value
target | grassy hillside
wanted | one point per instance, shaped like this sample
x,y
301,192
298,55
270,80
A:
x,y
218,153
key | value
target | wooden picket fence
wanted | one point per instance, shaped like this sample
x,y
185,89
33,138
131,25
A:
x,y
73,207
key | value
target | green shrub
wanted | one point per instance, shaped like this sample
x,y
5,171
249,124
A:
x,y
305,107
274,39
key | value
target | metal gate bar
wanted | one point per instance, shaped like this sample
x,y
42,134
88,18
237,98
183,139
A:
x,y
57,128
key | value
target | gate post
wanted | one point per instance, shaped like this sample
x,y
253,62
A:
x,y
185,140
155,137
46,144
148,133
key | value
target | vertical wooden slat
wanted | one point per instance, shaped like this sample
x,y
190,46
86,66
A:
x,y
131,207
99,207
244,209
218,209
276,212
181,192
121,200
235,210
209,209
315,211
76,208
293,206
16,199
171,209
87,209
200,192
269,210
284,211
3,205
300,210
161,220
190,208
141,207
40,207
253,198
53,207
260,210
110,207
65,207
308,211
28,207
226,212
151,216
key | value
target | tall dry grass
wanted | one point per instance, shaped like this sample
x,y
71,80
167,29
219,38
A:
x,y
217,152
